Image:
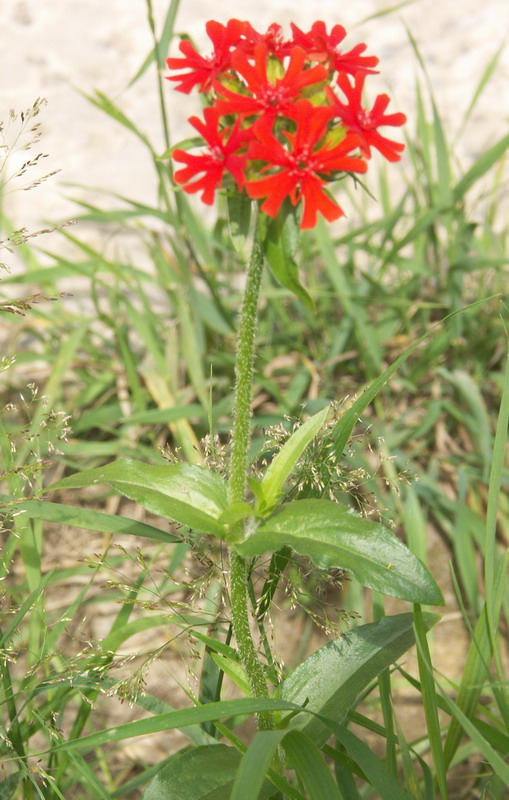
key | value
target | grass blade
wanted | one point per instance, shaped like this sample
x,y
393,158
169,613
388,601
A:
x,y
387,786
483,81
254,765
178,719
92,520
25,607
309,764
480,167
158,53
429,702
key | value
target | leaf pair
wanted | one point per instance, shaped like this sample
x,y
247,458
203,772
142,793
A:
x,y
330,534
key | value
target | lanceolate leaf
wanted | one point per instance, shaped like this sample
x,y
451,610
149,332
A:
x,y
332,677
282,464
239,218
204,773
331,536
279,246
185,493
234,671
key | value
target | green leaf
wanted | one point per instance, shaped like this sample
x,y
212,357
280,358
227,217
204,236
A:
x,y
234,671
212,644
186,493
204,773
279,245
332,677
239,218
92,520
277,566
333,536
236,512
281,466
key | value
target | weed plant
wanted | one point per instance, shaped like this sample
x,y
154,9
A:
x,y
408,341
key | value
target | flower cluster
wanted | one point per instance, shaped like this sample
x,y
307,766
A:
x,y
284,117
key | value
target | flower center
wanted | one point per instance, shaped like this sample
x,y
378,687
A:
x,y
216,153
274,96
364,118
303,162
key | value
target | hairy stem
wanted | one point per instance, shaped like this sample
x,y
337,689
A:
x,y
237,476
244,376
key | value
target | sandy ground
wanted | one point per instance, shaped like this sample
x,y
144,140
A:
x,y
57,48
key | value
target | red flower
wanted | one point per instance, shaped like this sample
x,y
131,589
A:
x,y
323,47
302,166
266,97
273,38
204,70
221,156
282,140
365,123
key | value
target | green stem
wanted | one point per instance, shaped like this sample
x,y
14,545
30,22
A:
x,y
237,476
244,376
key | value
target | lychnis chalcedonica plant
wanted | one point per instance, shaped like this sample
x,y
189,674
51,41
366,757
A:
x,y
283,122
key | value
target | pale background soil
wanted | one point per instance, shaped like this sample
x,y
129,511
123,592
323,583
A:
x,y
51,48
